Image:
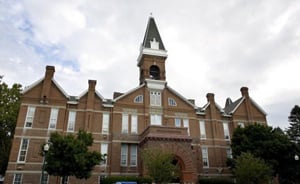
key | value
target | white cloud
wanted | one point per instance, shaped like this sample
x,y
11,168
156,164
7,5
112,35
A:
x,y
213,46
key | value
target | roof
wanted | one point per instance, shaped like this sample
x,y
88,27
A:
x,y
152,32
28,88
232,107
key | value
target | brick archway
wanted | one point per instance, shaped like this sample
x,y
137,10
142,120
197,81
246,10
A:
x,y
184,154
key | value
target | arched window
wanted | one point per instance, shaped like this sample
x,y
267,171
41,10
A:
x,y
171,102
154,72
138,99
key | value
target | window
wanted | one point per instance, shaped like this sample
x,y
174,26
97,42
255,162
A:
x,y
71,121
241,124
133,155
134,128
105,123
205,157
177,122
103,151
154,72
124,154
202,130
138,99
226,131
53,118
29,117
171,102
44,180
228,153
155,119
124,123
17,178
23,150
155,98
186,125
64,180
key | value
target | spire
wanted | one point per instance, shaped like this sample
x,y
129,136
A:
x,y
153,54
152,39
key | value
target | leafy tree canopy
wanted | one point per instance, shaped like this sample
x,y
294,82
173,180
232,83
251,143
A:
x,y
69,155
294,129
159,165
269,144
251,170
9,108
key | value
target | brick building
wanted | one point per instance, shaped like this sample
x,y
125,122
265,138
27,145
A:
x,y
152,115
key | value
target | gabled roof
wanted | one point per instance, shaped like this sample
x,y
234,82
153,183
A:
x,y
182,97
231,108
39,81
217,105
152,32
86,91
128,92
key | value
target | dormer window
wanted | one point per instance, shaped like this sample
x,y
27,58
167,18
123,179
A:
x,y
154,44
138,99
154,72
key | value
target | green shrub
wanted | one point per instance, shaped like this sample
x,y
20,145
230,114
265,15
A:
x,y
114,179
215,181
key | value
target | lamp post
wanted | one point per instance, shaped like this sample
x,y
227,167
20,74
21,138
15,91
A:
x,y
297,159
45,150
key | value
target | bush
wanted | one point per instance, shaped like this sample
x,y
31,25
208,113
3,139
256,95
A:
x,y
215,181
114,179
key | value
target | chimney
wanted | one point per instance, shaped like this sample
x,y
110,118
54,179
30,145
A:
x,y
244,91
210,97
91,94
92,85
47,83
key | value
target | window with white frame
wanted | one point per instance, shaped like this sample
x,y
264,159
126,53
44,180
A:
x,y
103,151
17,178
155,98
29,117
105,123
44,179
138,99
23,150
186,125
202,130
53,118
228,152
71,121
156,119
177,122
226,131
205,161
134,124
124,123
171,102
241,124
133,155
124,154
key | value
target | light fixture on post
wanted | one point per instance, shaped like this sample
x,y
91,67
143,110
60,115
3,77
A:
x,y
45,150
296,157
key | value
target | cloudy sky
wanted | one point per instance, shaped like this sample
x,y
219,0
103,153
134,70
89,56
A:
x,y
214,46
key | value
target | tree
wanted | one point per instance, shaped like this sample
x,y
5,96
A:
x,y
159,165
9,108
69,155
251,170
269,144
293,130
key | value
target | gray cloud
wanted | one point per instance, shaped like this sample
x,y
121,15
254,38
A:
x,y
213,46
